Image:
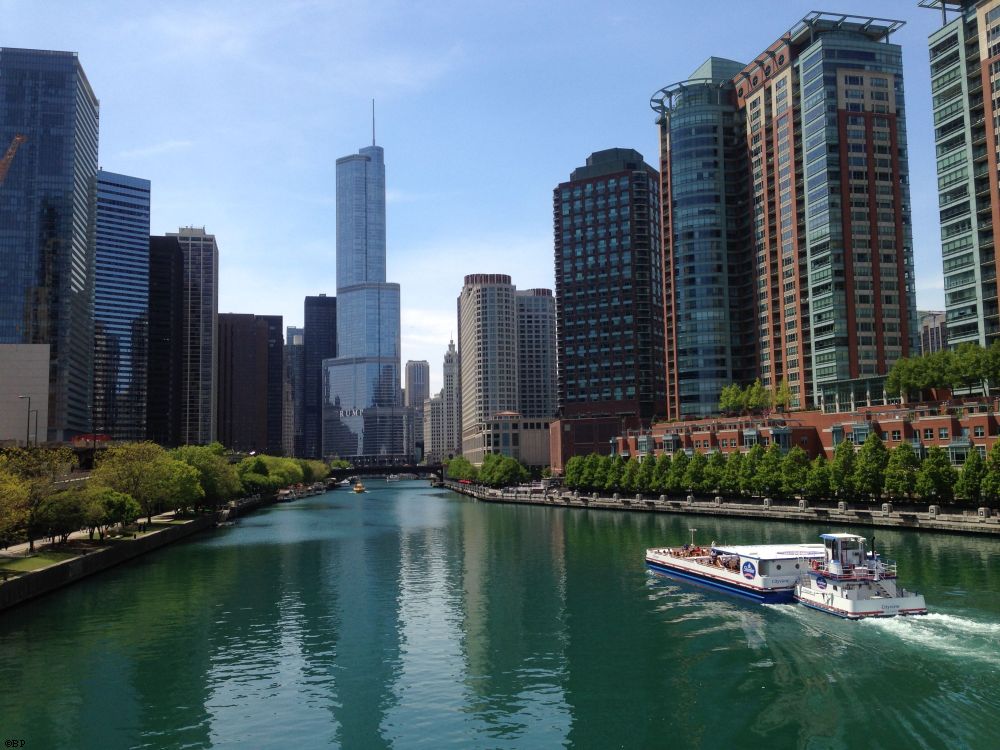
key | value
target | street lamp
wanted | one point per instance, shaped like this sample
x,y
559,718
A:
x,y
35,412
27,426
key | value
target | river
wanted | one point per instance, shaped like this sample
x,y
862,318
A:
x,y
414,617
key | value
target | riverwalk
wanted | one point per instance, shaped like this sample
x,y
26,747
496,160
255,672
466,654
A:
x,y
953,518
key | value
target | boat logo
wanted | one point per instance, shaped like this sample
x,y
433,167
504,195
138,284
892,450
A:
x,y
749,571
820,582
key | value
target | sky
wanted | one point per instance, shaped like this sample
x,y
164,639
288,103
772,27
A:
x,y
237,112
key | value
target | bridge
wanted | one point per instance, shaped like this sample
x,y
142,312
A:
x,y
384,470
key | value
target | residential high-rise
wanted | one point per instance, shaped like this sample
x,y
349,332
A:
x,y
933,331
537,376
166,338
199,342
609,301
47,207
319,343
295,376
814,131
451,404
707,268
251,383
417,391
964,57
121,306
363,418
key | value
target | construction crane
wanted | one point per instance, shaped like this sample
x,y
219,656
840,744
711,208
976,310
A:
x,y
9,156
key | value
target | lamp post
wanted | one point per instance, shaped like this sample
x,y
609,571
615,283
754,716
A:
x,y
27,426
35,412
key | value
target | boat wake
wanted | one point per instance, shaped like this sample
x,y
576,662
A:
x,y
947,634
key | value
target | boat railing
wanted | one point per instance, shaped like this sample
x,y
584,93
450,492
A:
x,y
882,569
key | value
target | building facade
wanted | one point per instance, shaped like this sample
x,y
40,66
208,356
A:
x,y
199,340
295,377
933,331
537,374
964,58
319,344
363,418
434,442
251,383
451,404
121,306
164,371
416,392
47,221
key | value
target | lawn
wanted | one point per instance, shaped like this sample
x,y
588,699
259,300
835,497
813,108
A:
x,y
35,561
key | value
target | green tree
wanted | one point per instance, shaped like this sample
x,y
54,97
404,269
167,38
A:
x,y
758,397
614,474
694,473
218,478
794,472
969,366
36,469
990,485
748,470
678,468
901,472
661,476
145,472
730,484
13,508
970,479
870,466
767,480
644,482
184,490
783,396
842,470
630,476
573,472
732,399
818,480
936,477
715,469
457,469
61,513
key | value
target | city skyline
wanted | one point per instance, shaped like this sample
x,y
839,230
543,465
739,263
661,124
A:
x,y
278,161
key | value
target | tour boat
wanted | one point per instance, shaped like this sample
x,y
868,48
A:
x,y
358,487
766,573
850,582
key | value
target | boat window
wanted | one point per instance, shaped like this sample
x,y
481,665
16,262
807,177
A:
x,y
778,566
796,566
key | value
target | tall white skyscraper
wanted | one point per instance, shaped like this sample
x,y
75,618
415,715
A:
x,y
451,406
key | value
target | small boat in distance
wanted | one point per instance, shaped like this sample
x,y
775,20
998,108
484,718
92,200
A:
x,y
853,583
765,573
358,487
392,477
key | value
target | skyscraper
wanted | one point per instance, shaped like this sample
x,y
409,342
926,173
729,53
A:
x,y
815,127
47,207
164,390
966,102
537,377
363,417
609,301
417,391
451,403
251,383
295,376
434,429
319,343
121,306
199,342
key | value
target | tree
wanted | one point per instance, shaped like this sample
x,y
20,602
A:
x,y
794,472
990,486
970,479
732,399
969,363
842,470
145,472
661,475
36,470
678,467
714,471
572,472
13,508
783,396
818,480
748,470
901,472
61,513
218,478
767,480
630,476
644,482
501,471
730,482
458,468
869,467
694,473
614,473
758,397
936,477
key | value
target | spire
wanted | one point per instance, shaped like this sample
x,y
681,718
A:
x,y
373,121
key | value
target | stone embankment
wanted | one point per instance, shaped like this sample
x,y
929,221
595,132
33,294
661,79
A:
x,y
892,515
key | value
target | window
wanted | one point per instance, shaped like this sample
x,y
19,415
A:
x,y
979,431
929,433
943,433
896,435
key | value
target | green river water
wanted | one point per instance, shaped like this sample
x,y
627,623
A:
x,y
412,617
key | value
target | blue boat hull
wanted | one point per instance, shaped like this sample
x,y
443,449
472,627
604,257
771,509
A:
x,y
784,596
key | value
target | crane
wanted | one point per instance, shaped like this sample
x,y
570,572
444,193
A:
x,y
9,156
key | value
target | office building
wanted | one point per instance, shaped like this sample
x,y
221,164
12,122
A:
x,y
251,383
537,375
199,340
49,115
434,442
609,302
121,306
318,344
933,331
363,418
295,401
165,341
964,56
451,403
416,392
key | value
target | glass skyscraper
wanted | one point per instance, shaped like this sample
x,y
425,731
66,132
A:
x,y
47,223
121,306
362,414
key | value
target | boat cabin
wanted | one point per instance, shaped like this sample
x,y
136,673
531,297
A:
x,y
843,553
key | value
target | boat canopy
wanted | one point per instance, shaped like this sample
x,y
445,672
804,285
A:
x,y
772,551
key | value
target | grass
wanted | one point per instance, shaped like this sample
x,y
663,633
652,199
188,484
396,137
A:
x,y
35,561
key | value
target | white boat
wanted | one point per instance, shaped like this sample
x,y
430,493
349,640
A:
x,y
766,573
345,482
392,477
853,583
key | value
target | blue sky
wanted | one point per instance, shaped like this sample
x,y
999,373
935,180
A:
x,y
237,112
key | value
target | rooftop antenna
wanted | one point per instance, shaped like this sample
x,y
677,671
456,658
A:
x,y
373,121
